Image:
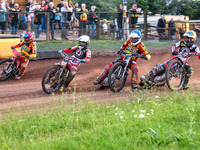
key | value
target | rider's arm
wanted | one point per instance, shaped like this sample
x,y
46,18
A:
x,y
125,45
69,50
197,51
144,50
33,54
88,56
176,46
19,45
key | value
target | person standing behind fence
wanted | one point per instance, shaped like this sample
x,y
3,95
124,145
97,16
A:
x,y
37,21
133,17
119,20
15,18
2,19
92,18
60,5
105,27
51,9
112,29
11,4
172,28
65,20
82,19
161,24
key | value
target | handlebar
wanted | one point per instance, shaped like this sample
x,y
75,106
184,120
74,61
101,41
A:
x,y
67,57
131,55
186,54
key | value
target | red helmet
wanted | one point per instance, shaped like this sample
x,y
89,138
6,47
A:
x,y
28,37
135,5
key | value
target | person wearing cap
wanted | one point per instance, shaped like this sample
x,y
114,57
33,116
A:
x,y
133,17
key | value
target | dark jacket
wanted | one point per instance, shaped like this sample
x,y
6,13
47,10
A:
x,y
52,15
14,16
134,16
92,17
161,24
172,27
37,17
119,15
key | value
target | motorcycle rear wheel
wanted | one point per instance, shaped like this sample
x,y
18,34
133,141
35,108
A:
x,y
175,75
51,81
115,80
4,75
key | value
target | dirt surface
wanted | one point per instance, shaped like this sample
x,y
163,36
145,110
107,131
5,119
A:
x,y
28,90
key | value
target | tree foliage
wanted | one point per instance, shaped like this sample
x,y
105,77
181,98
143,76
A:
x,y
189,8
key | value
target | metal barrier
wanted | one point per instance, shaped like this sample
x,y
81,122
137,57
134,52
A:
x,y
71,30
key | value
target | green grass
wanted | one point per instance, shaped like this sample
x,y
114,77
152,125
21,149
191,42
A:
x,y
145,120
98,45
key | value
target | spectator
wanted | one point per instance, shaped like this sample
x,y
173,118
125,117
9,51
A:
x,y
44,9
32,9
4,4
58,18
65,20
60,5
2,19
105,27
92,18
52,11
74,10
112,29
119,20
161,24
15,18
28,5
11,4
133,17
172,28
82,19
37,21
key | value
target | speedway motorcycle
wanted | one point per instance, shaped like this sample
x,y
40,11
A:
x,y
175,73
56,76
10,67
119,71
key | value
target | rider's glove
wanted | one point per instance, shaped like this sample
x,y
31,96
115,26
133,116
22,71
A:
x,y
60,51
12,47
143,56
174,53
82,60
120,52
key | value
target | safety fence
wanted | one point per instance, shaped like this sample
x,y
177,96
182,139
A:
x,y
106,27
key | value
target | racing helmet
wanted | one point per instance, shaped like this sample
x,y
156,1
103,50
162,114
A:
x,y
84,41
28,37
189,38
135,38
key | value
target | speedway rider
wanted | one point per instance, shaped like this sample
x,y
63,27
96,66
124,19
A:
x,y
81,51
29,51
187,44
132,45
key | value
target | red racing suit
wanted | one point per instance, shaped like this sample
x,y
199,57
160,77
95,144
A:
x,y
129,48
84,53
29,51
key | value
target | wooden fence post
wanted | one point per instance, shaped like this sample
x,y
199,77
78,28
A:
x,y
145,25
48,27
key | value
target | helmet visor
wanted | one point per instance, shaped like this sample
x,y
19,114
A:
x,y
189,39
82,43
26,39
134,40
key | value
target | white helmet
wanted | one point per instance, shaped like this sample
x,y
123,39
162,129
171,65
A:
x,y
84,41
135,38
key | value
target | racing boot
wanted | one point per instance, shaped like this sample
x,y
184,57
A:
x,y
20,74
187,77
97,81
134,86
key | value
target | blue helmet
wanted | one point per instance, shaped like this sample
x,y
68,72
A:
x,y
138,33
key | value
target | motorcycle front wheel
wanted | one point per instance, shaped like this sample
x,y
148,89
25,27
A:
x,y
52,80
6,69
175,74
116,78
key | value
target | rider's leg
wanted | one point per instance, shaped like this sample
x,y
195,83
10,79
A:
x,y
134,78
23,66
155,71
187,76
70,77
105,71
103,74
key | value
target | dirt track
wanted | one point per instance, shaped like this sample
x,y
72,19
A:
x,y
28,91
